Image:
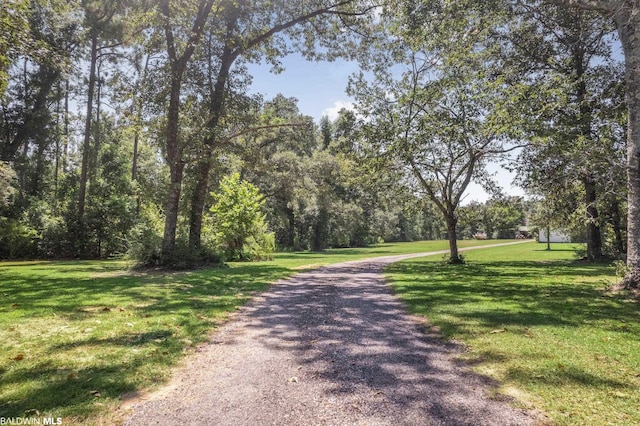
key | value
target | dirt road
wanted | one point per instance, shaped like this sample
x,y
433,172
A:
x,y
328,347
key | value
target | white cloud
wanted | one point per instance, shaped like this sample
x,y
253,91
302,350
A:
x,y
332,111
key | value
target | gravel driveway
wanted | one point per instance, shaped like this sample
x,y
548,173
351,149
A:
x,y
328,347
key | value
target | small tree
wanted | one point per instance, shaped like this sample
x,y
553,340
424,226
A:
x,y
435,106
238,225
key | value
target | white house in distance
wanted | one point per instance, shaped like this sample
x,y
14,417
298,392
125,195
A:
x,y
555,236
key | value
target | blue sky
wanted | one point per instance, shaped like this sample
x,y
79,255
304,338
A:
x,y
320,89
318,86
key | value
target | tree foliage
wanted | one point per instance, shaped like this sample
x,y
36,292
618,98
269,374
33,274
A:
x,y
237,222
562,59
436,111
626,16
118,119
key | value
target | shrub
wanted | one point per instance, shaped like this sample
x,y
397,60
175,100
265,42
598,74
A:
x,y
145,238
237,225
17,240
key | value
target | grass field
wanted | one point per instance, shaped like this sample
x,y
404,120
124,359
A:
x,y
540,323
78,335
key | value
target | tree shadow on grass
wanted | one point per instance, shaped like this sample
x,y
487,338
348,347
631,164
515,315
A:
x,y
154,314
516,293
567,299
561,375
33,291
67,392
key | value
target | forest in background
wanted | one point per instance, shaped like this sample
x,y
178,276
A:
x,y
120,121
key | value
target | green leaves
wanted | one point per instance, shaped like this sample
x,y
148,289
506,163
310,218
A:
x,y
237,222
14,33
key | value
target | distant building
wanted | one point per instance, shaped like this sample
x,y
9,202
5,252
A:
x,y
555,236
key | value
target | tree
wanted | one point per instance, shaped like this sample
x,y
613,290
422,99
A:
x,y
6,177
505,213
14,35
34,65
173,18
104,33
626,15
438,118
498,217
562,59
252,30
549,214
245,29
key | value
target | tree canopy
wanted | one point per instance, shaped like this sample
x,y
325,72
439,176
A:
x,y
119,119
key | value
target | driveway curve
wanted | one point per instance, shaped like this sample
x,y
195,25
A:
x,y
331,346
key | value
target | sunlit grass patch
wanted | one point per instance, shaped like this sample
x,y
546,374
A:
x,y
541,323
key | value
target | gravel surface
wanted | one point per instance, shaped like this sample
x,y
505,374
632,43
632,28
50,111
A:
x,y
328,347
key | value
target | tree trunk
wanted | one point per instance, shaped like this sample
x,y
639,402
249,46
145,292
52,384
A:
x,y
452,222
173,147
216,110
628,23
56,166
171,219
86,146
594,238
198,200
65,149
319,240
97,131
616,224
176,170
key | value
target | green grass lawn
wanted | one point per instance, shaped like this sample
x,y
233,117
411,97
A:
x,y
77,335
540,323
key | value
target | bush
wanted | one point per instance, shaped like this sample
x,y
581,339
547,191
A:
x,y
145,238
261,248
237,225
145,245
56,241
17,240
629,276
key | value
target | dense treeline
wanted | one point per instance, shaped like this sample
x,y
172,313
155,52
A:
x,y
120,119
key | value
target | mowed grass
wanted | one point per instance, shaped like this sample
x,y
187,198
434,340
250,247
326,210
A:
x,y
77,336
302,260
540,323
